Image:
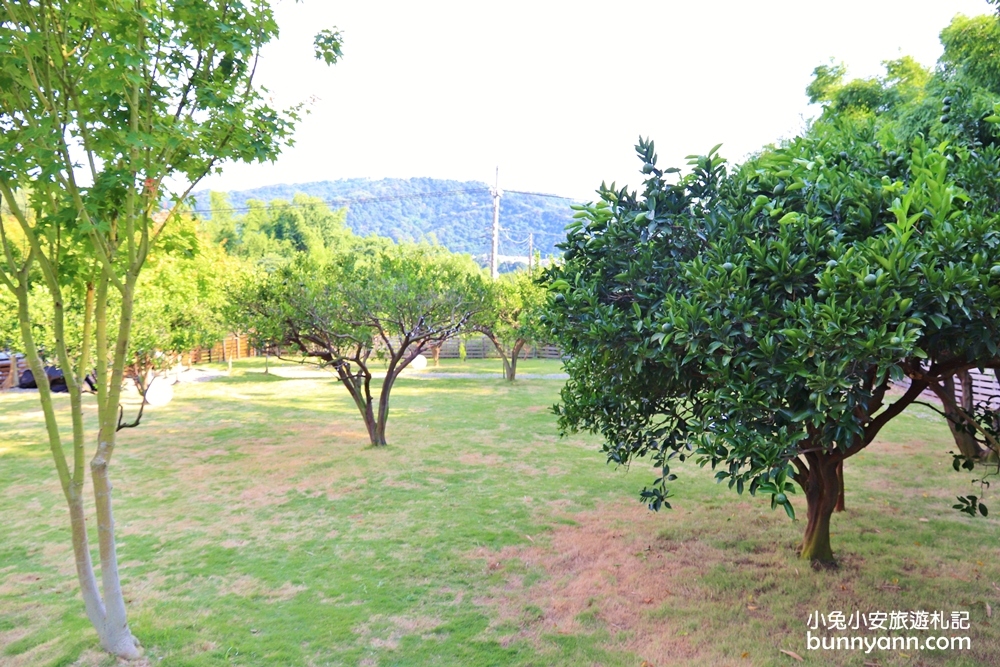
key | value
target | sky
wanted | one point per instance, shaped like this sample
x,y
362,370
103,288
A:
x,y
555,94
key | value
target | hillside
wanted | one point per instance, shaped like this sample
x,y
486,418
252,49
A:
x,y
458,214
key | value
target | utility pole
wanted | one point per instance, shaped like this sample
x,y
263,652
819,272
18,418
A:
x,y
531,249
494,256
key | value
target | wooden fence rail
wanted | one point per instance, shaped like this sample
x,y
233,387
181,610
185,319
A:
x,y
480,347
231,347
985,389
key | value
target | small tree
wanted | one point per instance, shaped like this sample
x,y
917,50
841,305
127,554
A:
x,y
103,105
511,315
377,302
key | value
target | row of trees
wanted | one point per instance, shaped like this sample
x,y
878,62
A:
x,y
754,318
375,303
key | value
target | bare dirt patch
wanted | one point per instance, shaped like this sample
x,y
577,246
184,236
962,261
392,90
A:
x,y
247,586
477,459
385,632
608,570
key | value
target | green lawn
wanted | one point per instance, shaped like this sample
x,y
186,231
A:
x,y
256,527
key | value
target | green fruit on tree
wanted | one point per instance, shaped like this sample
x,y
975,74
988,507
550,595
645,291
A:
x,y
822,294
667,327
832,233
945,119
781,499
946,101
832,264
995,271
779,189
895,340
871,280
728,266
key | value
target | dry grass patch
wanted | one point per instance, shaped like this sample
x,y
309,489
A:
x,y
385,632
606,570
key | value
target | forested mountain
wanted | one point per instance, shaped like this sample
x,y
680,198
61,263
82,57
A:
x,y
458,214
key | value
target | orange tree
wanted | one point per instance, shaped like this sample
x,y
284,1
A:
x,y
510,315
755,319
374,302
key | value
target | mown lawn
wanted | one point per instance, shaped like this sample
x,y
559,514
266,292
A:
x,y
256,527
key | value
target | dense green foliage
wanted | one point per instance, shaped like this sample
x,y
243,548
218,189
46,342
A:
x,y
180,300
270,234
407,210
755,319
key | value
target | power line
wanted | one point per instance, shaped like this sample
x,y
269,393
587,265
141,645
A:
x,y
540,194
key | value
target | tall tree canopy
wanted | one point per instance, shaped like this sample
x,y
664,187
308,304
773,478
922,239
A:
x,y
103,105
957,104
755,319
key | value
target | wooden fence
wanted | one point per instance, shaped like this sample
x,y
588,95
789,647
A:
x,y
231,347
480,347
985,389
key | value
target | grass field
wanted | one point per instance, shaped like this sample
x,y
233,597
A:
x,y
256,527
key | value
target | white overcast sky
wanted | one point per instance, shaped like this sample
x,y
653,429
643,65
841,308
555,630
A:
x,y
555,94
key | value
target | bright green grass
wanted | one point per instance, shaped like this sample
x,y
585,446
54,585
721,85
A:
x,y
257,528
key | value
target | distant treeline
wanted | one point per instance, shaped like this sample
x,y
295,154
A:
x,y
457,214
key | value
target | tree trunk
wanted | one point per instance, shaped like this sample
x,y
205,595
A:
x,y
508,371
383,398
436,354
964,438
821,489
513,359
375,427
116,638
107,614
840,490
